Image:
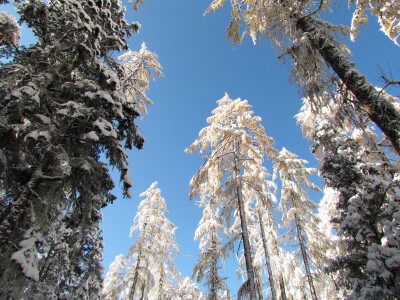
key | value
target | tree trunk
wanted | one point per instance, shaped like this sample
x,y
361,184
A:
x,y
161,283
379,109
305,258
214,280
245,237
246,245
143,288
267,258
136,276
275,250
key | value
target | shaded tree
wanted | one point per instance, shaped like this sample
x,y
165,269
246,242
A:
x,y
64,104
364,179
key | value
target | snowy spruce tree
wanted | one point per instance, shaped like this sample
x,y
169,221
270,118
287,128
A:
x,y
148,270
320,59
366,195
233,145
65,101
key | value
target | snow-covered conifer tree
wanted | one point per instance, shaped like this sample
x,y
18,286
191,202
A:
x,y
366,188
64,101
211,226
234,141
299,218
113,282
149,264
387,12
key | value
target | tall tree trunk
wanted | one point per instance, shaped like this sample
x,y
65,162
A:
x,y
305,258
276,252
161,283
246,245
136,276
214,280
379,109
143,288
267,258
245,237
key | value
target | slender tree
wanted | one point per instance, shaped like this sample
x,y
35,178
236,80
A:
x,y
149,264
113,282
64,101
211,226
299,217
235,142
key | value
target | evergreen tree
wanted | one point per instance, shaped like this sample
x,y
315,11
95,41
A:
x,y
367,205
64,101
212,249
148,267
235,141
113,282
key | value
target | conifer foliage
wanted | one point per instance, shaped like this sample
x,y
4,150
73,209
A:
x,y
320,59
365,213
64,101
148,270
233,145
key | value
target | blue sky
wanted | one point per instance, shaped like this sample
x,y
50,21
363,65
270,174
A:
x,y
200,65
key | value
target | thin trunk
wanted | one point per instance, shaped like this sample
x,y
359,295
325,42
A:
x,y
305,258
276,252
214,280
245,237
143,288
379,109
136,276
267,258
282,286
161,283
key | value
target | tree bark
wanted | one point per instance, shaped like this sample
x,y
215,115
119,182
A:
x,y
379,109
214,284
267,258
246,245
245,237
276,252
305,258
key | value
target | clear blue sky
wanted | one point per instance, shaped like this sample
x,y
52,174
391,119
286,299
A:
x,y
200,65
